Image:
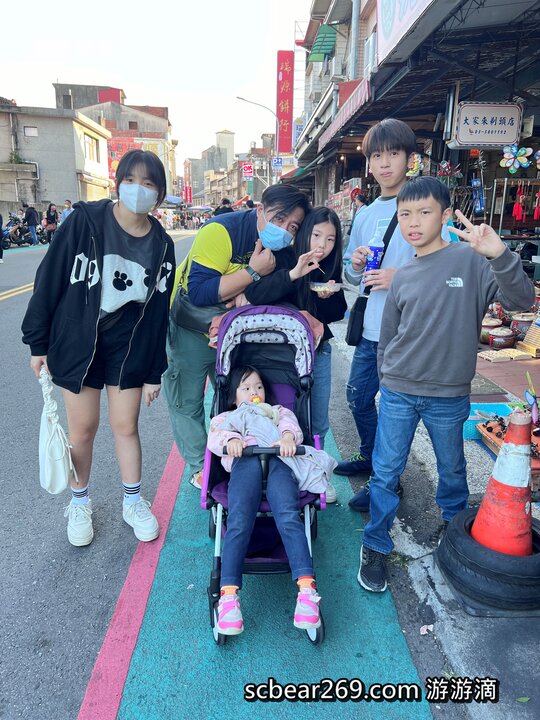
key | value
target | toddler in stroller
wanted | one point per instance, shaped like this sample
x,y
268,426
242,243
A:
x,y
258,443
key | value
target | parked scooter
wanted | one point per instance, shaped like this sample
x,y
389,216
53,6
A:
x,y
15,232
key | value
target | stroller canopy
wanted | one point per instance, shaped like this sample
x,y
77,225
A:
x,y
265,324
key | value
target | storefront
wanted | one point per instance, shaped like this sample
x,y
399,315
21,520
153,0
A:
x,y
422,73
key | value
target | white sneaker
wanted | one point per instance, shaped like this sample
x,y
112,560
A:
x,y
79,528
331,494
1,261
139,516
196,479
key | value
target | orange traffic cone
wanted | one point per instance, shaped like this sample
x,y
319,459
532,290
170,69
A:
x,y
503,522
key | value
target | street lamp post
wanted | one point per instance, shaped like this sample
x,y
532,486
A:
x,y
251,102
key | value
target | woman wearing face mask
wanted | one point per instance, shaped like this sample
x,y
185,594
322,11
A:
x,y
98,317
316,257
230,252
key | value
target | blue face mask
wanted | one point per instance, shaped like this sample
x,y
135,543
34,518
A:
x,y
274,237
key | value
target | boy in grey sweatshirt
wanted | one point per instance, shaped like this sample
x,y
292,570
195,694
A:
x,y
427,354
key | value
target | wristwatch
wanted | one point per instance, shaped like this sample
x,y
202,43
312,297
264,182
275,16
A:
x,y
254,274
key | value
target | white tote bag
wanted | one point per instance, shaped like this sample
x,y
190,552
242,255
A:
x,y
55,463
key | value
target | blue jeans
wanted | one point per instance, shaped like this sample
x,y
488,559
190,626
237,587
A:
x,y
33,233
362,388
245,492
320,391
399,415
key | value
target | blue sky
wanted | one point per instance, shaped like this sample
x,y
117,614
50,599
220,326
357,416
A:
x,y
195,59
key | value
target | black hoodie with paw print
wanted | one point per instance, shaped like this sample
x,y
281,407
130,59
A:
x,y
63,314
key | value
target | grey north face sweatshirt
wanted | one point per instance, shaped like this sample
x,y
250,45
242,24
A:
x,y
433,315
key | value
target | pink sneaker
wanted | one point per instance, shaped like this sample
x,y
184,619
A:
x,y
230,620
306,612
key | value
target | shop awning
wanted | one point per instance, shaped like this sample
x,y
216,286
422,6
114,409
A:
x,y
324,44
240,202
309,168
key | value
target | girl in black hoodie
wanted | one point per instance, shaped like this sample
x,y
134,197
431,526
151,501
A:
x,y
98,317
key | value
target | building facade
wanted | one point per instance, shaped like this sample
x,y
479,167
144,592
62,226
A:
x,y
144,127
225,141
50,155
420,62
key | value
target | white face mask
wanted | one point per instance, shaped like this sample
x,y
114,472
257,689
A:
x,y
137,198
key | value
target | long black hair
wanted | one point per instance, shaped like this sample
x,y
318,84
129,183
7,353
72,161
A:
x,y
332,265
236,377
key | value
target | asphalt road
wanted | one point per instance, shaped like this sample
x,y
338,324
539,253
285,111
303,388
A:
x,y
58,600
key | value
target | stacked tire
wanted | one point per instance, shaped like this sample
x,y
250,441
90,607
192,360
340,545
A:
x,y
494,579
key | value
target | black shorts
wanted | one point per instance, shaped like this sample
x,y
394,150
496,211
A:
x,y
111,350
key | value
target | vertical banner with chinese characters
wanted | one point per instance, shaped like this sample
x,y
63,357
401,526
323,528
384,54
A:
x,y
284,101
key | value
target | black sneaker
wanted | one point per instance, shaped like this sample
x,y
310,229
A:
x,y
360,501
356,464
437,535
372,573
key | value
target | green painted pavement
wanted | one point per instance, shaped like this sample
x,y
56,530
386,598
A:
x,y
177,671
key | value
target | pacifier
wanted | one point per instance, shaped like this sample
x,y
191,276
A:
x,y
256,399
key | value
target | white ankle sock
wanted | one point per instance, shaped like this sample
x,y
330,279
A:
x,y
132,492
79,496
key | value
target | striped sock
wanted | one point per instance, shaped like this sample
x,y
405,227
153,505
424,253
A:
x,y
79,496
132,492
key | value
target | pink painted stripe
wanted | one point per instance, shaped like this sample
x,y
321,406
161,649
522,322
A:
x,y
104,692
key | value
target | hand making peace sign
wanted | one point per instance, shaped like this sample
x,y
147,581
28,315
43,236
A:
x,y
482,238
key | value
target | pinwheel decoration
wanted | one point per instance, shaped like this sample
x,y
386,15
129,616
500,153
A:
x,y
530,397
415,166
537,158
514,159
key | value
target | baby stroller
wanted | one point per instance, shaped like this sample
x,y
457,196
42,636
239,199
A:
x,y
278,342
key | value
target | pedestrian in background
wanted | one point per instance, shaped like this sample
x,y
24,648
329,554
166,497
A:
x,y
98,317
225,207
51,221
31,220
358,201
66,212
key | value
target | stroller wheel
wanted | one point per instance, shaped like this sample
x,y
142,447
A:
x,y
316,636
212,524
218,637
